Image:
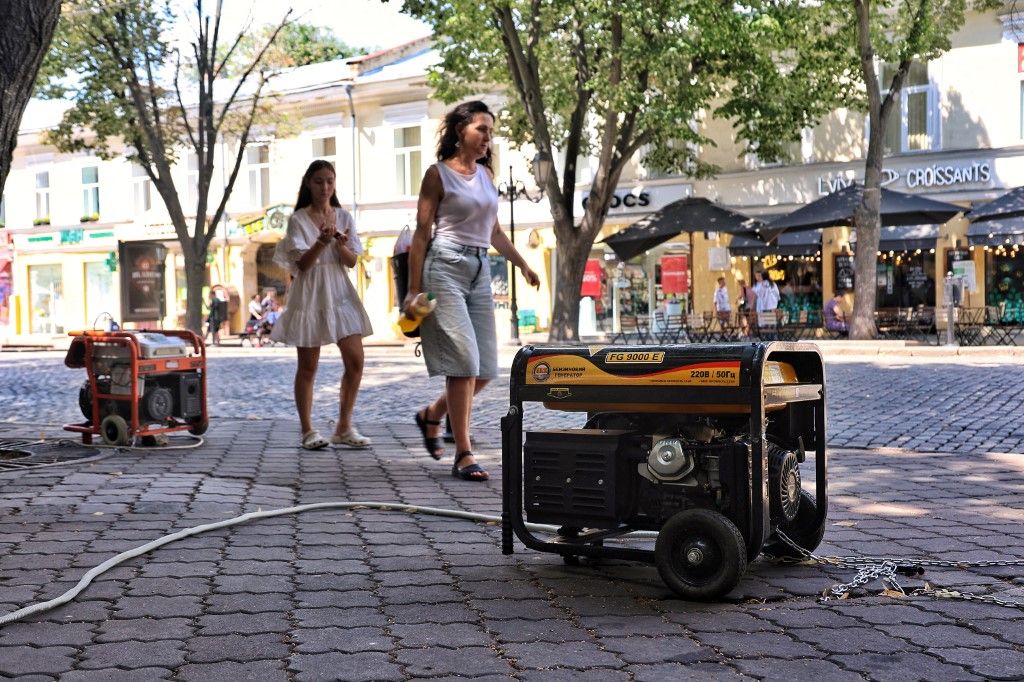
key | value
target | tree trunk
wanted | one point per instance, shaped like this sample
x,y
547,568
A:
x,y
26,29
195,278
571,259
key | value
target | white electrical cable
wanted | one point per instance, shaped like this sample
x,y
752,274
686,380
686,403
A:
x,y
251,516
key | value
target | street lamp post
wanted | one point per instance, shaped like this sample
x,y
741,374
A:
x,y
514,189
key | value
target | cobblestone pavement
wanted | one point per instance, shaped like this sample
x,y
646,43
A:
x,y
375,595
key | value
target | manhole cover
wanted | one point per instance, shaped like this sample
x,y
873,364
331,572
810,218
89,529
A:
x,y
16,455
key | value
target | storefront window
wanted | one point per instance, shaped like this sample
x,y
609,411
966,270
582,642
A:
x,y
905,280
1004,281
798,279
99,291
633,288
46,292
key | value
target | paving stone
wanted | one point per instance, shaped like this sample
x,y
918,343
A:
x,y
46,634
567,675
990,663
452,635
247,602
347,641
433,661
133,655
754,644
155,606
350,667
242,623
270,671
795,670
236,648
903,667
579,655
25,660
657,649
697,672
151,629
117,675
554,631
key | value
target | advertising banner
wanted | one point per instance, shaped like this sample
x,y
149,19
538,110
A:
x,y
674,276
591,285
142,280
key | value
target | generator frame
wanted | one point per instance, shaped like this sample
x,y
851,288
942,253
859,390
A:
x,y
82,355
751,395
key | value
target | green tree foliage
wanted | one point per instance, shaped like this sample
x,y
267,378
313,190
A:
x,y
135,94
894,32
297,44
611,79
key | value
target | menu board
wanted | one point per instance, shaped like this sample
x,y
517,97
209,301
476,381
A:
x,y
844,271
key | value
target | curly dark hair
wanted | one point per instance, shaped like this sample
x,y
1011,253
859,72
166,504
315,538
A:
x,y
453,123
305,196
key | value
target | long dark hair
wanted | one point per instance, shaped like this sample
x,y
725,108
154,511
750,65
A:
x,y
453,123
305,196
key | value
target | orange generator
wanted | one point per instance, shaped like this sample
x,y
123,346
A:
x,y
140,384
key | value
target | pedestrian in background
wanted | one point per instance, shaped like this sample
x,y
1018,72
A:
x,y
767,292
723,309
458,196
746,304
318,247
213,317
255,308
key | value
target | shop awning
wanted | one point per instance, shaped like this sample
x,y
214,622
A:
x,y
1001,232
1010,205
693,214
838,208
908,237
800,243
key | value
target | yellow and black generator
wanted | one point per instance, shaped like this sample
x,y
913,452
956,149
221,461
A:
x,y
701,443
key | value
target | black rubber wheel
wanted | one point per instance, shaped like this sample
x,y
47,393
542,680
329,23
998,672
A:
x,y
158,403
199,428
700,554
802,530
783,484
85,399
114,430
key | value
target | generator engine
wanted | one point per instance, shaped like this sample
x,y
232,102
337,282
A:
x,y
705,448
139,383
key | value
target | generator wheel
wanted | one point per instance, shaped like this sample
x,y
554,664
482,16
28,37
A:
x,y
114,430
85,400
783,483
199,428
700,554
802,530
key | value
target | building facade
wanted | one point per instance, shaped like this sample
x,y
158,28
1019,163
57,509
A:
x,y
957,136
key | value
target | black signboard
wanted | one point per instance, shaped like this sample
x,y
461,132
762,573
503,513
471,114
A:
x,y
142,280
953,255
843,272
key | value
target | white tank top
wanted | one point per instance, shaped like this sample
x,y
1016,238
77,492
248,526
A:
x,y
467,213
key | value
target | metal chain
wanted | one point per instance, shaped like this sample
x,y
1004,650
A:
x,y
886,568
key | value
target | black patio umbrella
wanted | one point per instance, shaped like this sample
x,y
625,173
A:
x,y
1010,205
693,214
838,208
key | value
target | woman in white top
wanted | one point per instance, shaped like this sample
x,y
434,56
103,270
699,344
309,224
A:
x,y
458,196
318,248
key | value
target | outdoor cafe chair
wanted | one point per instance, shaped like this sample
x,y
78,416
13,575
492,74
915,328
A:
x,y
631,330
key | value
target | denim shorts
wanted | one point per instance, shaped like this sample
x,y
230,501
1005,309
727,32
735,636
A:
x,y
459,338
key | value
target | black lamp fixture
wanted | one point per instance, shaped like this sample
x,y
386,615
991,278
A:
x,y
513,189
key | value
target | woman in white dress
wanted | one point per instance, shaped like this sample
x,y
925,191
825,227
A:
x,y
318,248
